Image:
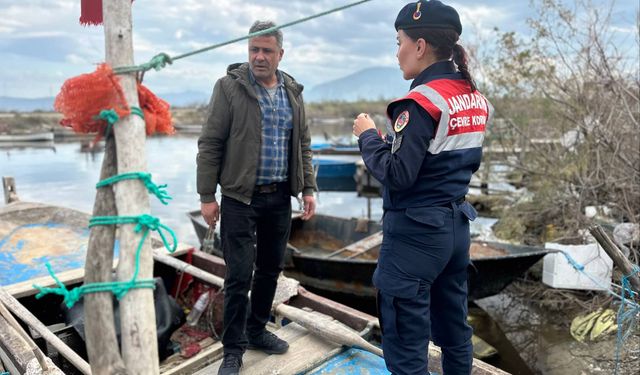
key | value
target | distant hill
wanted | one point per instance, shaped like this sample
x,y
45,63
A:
x,y
186,98
176,99
367,84
8,104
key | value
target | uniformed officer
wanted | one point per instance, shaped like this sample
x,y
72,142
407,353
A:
x,y
425,163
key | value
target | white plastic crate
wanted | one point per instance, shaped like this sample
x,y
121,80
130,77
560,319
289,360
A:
x,y
558,273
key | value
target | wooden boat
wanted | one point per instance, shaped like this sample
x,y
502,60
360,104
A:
x,y
334,149
335,175
338,255
29,231
188,128
34,137
24,145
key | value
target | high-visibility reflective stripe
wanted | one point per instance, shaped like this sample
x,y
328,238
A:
x,y
437,143
462,141
442,141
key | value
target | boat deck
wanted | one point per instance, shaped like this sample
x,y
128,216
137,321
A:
x,y
305,352
32,234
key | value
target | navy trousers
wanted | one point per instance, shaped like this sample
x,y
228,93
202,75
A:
x,y
422,288
253,236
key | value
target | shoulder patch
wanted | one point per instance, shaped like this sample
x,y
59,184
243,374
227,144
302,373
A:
x,y
401,121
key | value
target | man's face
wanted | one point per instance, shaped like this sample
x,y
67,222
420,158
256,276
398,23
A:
x,y
264,57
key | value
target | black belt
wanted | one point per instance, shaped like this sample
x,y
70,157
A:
x,y
448,204
268,188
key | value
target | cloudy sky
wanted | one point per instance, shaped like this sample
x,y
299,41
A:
x,y
42,42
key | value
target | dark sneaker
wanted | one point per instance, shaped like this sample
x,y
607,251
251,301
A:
x,y
268,343
231,364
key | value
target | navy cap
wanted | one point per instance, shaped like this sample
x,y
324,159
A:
x,y
428,14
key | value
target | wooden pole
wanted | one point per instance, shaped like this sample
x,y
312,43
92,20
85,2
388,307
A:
x,y
25,315
187,268
138,320
9,187
616,255
100,332
326,329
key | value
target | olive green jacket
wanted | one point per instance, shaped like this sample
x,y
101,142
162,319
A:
x,y
229,145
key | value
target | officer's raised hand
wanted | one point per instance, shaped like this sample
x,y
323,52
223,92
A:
x,y
361,123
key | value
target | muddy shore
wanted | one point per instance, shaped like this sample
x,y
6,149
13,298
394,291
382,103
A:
x,y
537,327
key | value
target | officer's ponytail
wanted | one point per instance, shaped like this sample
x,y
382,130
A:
x,y
460,58
444,42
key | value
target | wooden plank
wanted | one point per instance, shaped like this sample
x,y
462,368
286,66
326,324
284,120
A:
x,y
303,354
16,349
290,333
26,338
26,316
188,366
361,246
25,288
4,358
364,245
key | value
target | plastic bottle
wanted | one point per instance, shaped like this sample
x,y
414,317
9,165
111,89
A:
x,y
198,309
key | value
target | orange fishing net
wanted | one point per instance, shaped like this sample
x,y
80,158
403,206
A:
x,y
83,97
157,115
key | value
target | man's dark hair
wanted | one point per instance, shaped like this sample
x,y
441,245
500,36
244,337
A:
x,y
264,25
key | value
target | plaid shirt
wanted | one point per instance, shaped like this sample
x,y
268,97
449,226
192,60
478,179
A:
x,y
277,123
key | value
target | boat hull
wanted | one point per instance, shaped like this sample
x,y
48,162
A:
x,y
335,175
36,137
488,275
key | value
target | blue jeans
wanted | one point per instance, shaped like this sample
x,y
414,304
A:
x,y
254,239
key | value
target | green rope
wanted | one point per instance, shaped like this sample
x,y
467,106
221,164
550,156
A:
x,y
144,220
157,190
71,297
137,111
118,288
161,60
111,117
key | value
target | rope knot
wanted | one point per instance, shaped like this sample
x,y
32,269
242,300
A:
x,y
160,60
144,220
109,115
72,296
158,190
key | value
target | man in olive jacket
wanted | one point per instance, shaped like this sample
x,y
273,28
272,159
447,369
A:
x,y
256,146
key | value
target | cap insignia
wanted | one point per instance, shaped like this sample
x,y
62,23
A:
x,y
417,14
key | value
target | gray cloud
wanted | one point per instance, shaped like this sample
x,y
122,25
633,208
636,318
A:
x,y
43,37
53,48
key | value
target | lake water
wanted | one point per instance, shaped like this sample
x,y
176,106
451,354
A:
x,y
64,176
